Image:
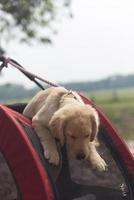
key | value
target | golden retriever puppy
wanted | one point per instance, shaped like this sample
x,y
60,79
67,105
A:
x,y
59,113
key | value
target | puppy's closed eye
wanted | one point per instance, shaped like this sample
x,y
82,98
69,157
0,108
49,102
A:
x,y
73,137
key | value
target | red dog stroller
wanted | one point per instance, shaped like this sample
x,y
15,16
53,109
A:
x,y
33,178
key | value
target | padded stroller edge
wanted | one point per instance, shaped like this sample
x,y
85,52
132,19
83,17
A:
x,y
31,178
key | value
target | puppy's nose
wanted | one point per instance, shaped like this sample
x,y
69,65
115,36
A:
x,y
80,156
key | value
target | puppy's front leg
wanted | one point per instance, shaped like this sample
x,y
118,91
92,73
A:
x,y
47,141
95,159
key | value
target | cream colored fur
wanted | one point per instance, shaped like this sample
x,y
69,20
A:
x,y
59,113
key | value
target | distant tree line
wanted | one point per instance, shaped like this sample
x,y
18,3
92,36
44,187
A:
x,y
113,82
15,91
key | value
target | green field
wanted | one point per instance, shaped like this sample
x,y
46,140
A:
x,y
119,107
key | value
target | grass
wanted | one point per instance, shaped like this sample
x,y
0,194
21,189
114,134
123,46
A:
x,y
119,107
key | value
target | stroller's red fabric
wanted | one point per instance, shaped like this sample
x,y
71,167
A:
x,y
31,178
30,175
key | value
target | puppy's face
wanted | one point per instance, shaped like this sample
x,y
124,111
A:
x,y
77,127
78,133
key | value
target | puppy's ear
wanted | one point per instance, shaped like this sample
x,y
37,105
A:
x,y
95,125
56,126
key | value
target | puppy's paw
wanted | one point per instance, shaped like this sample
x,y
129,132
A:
x,y
98,163
101,165
52,157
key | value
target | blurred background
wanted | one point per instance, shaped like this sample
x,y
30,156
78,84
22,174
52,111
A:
x,y
83,45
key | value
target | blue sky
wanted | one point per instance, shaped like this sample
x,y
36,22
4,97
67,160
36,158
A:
x,y
96,43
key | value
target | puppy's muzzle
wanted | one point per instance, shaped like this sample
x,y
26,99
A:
x,y
80,156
